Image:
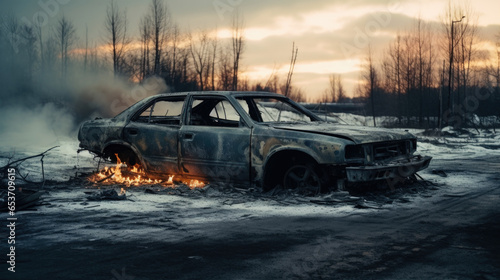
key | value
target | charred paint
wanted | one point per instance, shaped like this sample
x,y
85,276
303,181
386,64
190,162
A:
x,y
241,151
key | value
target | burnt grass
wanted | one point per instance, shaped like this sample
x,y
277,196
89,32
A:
x,y
369,195
386,245
375,195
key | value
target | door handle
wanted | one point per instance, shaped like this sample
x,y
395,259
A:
x,y
133,131
188,136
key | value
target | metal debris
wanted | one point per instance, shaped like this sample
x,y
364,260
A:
x,y
106,195
439,172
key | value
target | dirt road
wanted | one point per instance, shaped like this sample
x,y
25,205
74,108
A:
x,y
448,231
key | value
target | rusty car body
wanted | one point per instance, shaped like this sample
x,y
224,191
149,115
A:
x,y
252,138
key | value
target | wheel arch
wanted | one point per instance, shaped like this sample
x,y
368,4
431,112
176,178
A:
x,y
278,162
114,147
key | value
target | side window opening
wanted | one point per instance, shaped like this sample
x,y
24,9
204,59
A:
x,y
224,111
213,112
167,112
273,110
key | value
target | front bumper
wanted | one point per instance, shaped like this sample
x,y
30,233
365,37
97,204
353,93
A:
x,y
396,169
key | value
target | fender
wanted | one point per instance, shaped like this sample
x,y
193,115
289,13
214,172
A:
x,y
292,149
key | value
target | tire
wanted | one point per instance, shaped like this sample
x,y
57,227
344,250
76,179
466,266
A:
x,y
127,157
304,178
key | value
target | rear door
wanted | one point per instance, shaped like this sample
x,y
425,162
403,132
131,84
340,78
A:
x,y
215,141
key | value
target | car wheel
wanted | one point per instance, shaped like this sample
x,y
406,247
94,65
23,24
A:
x,y
129,158
302,177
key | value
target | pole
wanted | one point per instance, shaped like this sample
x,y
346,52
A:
x,y
441,98
450,77
451,104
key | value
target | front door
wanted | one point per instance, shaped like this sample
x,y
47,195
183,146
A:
x,y
154,133
214,143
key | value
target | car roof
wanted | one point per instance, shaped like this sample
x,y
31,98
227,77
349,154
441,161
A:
x,y
223,93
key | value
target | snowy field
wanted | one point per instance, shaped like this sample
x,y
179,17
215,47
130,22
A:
x,y
251,233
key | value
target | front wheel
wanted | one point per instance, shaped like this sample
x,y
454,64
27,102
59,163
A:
x,y
302,177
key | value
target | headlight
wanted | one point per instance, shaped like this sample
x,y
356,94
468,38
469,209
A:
x,y
354,152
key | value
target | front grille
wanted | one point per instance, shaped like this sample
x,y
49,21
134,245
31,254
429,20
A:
x,y
384,151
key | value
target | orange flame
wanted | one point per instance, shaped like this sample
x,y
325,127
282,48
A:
x,y
196,184
136,177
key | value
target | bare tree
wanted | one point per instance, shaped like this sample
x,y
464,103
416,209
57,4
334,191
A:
x,y
214,44
341,94
10,27
497,72
18,54
160,24
146,35
467,54
419,40
12,39
293,59
39,37
494,69
65,33
409,72
28,34
225,70
393,65
116,28
460,36
238,46
370,79
50,52
154,30
332,89
183,67
200,54
424,62
272,83
94,63
335,91
175,53
297,94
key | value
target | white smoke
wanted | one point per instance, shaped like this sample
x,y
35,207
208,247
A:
x,y
53,115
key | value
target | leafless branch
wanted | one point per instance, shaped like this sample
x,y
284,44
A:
x,y
17,163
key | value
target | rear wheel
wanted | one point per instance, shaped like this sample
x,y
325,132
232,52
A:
x,y
129,158
125,155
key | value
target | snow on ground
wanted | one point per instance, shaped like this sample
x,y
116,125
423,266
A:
x,y
190,211
59,164
184,231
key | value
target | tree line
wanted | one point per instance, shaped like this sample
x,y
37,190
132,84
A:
x,y
432,77
186,60
428,76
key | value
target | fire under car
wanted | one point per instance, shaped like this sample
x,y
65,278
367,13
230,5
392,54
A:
x,y
249,138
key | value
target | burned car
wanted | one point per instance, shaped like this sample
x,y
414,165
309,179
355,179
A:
x,y
252,138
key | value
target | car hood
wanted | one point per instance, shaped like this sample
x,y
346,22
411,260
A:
x,y
357,134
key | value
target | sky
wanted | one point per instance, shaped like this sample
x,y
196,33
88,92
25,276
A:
x,y
332,35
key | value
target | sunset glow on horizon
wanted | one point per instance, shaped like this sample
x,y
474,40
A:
x,y
332,37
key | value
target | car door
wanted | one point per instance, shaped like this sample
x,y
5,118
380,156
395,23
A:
x,y
215,141
154,131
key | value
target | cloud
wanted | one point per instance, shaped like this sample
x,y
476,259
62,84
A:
x,y
491,32
349,42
